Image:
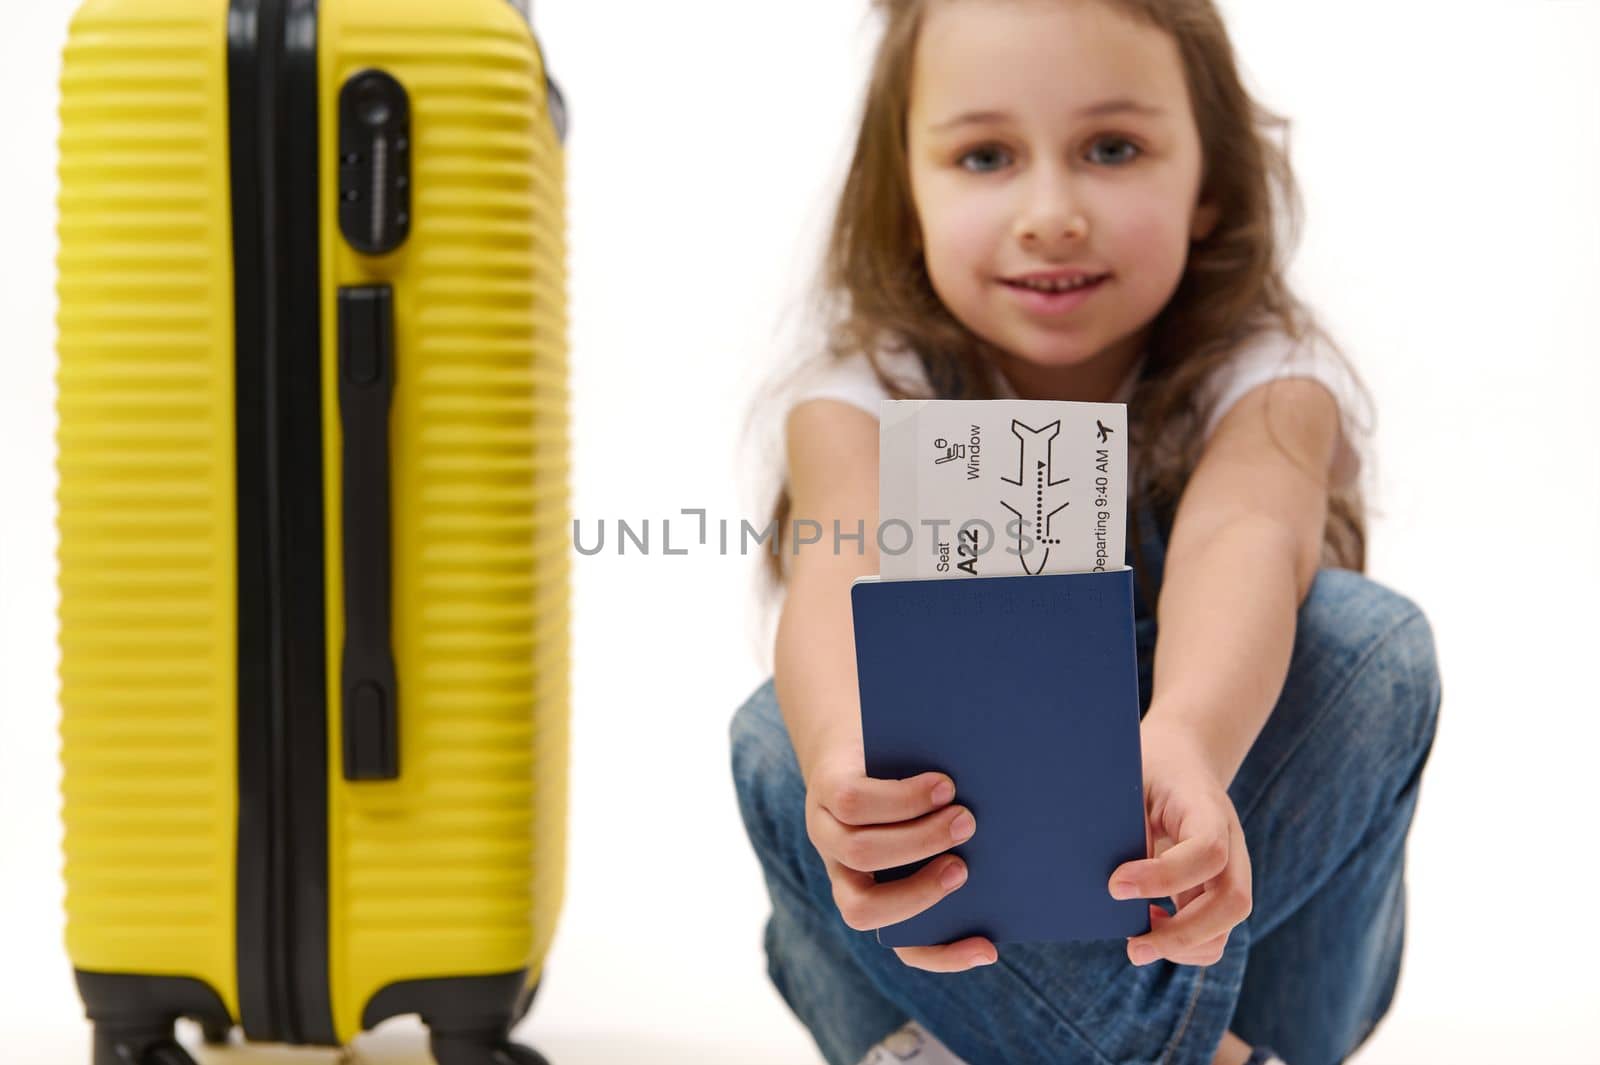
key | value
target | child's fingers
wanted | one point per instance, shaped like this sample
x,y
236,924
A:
x,y
865,904
873,847
854,799
1192,860
1207,953
950,957
1198,925
1211,915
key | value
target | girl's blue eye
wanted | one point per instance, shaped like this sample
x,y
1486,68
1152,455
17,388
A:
x,y
1119,157
987,151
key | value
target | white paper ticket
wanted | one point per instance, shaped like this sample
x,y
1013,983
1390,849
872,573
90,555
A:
x,y
1001,487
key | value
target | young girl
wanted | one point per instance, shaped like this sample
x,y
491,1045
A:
x,y
1075,200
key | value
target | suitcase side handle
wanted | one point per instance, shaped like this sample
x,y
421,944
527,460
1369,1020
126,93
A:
x,y
366,391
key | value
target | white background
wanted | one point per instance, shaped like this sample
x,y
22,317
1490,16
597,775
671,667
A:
x,y
1449,154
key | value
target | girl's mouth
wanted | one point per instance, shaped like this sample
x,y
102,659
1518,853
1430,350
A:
x,y
1055,297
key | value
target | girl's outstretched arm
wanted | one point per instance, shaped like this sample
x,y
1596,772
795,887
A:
x,y
833,476
857,824
1246,545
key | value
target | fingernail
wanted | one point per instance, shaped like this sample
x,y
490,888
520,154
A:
x,y
983,959
962,827
943,792
1123,890
954,875
1142,953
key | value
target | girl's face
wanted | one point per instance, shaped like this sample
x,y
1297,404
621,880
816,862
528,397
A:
x,y
1053,137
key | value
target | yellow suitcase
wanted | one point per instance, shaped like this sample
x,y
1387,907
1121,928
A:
x,y
313,513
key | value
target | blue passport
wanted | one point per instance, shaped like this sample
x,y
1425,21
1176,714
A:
x,y
1025,690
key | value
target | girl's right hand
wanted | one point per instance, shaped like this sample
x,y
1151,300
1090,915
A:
x,y
859,825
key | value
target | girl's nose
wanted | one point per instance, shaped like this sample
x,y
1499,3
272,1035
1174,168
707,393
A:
x,y
1045,229
1051,216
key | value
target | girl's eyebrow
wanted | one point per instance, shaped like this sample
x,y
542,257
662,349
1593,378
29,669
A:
x,y
1119,105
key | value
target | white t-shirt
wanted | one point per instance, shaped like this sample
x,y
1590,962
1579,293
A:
x,y
1266,357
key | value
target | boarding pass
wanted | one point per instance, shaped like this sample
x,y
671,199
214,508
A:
x,y
1001,487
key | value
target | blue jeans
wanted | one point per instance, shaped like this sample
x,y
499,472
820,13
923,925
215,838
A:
x,y
1325,795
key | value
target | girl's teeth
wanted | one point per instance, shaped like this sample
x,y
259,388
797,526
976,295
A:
x,y
1056,286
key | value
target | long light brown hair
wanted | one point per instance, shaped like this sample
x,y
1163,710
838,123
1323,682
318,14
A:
x,y
875,283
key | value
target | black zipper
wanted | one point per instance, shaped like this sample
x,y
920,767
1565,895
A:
x,y
282,848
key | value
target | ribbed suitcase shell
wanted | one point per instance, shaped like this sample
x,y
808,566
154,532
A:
x,y
457,867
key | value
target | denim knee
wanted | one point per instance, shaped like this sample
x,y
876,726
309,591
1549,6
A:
x,y
766,775
1380,644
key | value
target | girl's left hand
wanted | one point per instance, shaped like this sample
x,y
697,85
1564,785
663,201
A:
x,y
1200,860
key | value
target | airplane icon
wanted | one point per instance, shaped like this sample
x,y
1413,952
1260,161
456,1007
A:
x,y
1104,431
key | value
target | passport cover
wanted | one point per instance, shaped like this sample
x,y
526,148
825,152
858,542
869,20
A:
x,y
1025,690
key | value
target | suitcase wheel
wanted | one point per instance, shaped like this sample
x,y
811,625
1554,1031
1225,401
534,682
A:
x,y
115,1049
215,1035
456,1050
167,1054
524,1055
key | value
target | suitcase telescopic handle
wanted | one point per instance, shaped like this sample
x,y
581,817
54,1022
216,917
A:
x,y
557,104
366,391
